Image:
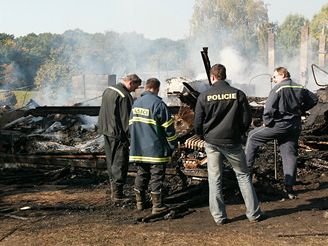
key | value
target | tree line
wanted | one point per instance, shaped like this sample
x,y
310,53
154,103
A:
x,y
48,59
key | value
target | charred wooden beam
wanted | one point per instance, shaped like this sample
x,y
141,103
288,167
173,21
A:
x,y
47,110
96,162
86,110
81,161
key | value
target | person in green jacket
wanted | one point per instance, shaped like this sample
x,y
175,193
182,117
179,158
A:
x,y
113,123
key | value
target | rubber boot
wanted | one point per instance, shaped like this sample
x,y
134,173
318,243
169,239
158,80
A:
x,y
140,199
117,193
289,192
157,201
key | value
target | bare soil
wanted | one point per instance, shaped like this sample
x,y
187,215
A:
x,y
40,208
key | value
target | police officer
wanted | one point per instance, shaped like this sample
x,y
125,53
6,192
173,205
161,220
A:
x,y
222,116
153,140
286,103
113,123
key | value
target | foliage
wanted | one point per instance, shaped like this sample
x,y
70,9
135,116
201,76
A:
x,y
289,35
319,25
50,60
319,22
23,97
234,23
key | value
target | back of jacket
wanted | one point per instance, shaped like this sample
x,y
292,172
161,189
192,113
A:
x,y
286,101
222,114
152,130
113,120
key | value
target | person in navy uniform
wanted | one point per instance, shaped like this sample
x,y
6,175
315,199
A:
x,y
153,140
286,103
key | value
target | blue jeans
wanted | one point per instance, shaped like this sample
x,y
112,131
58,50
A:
x,y
236,157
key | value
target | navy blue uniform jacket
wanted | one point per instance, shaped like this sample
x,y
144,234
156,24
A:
x,y
152,130
286,101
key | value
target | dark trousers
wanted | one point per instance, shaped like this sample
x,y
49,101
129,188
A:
x,y
287,134
152,174
117,158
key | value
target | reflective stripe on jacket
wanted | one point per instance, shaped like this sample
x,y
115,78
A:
x,y
116,104
287,100
152,130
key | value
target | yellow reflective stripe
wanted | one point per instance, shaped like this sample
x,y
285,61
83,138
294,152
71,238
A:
x,y
168,123
117,90
290,86
143,120
174,137
149,159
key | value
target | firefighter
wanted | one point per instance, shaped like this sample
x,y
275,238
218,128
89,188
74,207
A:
x,y
222,116
153,140
286,103
113,123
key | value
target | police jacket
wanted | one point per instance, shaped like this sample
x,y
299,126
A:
x,y
222,114
287,100
152,130
116,105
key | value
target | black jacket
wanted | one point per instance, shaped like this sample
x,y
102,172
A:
x,y
287,100
222,114
113,120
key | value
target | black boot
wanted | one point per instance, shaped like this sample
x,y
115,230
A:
x,y
140,199
289,192
157,201
117,193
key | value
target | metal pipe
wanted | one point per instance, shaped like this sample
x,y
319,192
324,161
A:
x,y
275,158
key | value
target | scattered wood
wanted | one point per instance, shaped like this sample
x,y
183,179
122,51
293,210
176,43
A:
x,y
324,164
17,121
19,227
13,216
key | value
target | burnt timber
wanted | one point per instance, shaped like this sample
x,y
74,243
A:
x,y
91,161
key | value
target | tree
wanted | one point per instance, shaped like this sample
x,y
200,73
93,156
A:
x,y
318,25
233,23
8,52
319,22
289,36
34,51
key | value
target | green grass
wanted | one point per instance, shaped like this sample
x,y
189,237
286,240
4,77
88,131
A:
x,y
22,97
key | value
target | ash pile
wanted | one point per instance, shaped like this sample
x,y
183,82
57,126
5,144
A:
x,y
49,130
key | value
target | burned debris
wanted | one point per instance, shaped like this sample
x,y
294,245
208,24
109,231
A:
x,y
65,137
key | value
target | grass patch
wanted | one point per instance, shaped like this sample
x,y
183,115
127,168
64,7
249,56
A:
x,y
22,97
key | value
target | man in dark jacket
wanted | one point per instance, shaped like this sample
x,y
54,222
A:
x,y
113,123
222,116
153,140
286,103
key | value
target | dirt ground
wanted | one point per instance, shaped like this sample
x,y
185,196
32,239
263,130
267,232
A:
x,y
74,208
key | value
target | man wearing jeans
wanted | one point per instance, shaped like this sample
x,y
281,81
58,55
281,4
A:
x,y
222,116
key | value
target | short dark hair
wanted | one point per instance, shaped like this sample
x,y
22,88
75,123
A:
x,y
219,71
283,71
152,83
133,77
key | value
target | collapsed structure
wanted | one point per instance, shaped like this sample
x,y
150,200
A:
x,y
67,135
